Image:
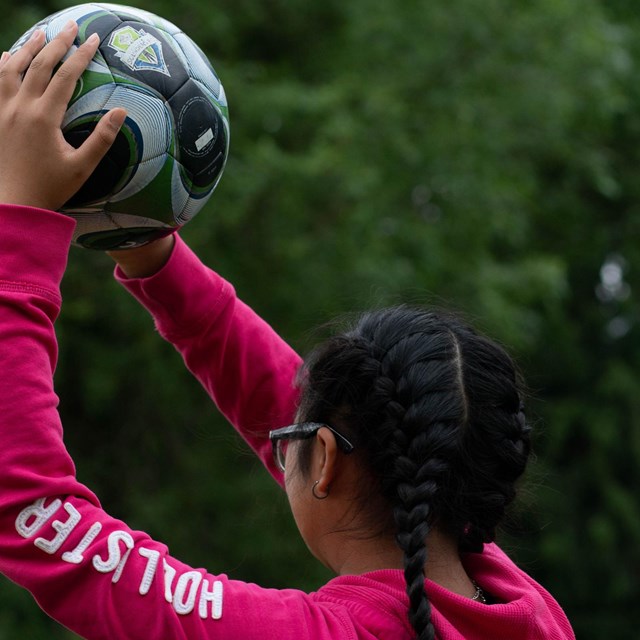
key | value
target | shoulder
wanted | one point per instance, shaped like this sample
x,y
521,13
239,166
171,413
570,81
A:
x,y
375,603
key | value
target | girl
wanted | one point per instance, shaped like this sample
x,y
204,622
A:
x,y
398,448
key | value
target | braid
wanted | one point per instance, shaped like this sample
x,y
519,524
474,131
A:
x,y
435,412
412,515
499,441
417,449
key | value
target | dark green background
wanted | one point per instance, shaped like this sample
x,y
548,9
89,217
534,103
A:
x,y
475,155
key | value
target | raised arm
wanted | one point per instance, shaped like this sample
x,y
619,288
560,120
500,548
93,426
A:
x,y
240,360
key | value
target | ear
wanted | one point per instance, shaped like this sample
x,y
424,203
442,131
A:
x,y
325,456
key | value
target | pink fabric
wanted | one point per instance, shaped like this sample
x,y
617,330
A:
x,y
105,581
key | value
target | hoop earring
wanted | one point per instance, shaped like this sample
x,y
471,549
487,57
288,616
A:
x,y
315,495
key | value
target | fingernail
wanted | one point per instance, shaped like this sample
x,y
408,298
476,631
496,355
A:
x,y
36,34
117,118
94,38
5,56
70,26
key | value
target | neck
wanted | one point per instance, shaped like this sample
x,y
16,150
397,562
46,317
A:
x,y
355,556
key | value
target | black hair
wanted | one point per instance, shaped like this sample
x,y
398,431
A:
x,y
435,411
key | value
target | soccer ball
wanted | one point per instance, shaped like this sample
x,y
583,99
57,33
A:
x,y
172,149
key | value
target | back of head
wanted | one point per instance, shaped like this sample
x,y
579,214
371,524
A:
x,y
435,412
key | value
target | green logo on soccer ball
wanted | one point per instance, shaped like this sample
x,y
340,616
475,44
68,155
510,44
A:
x,y
138,50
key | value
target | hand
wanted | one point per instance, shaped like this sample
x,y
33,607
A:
x,y
37,165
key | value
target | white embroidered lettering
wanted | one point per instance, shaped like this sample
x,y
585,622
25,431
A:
x,y
169,575
40,515
63,529
75,556
184,597
216,613
115,561
214,596
150,571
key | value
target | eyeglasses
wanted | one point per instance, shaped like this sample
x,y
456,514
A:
x,y
301,431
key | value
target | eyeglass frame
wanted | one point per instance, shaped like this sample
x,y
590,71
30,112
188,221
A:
x,y
302,431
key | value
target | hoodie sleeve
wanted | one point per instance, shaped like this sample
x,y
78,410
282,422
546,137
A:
x,y
245,366
86,569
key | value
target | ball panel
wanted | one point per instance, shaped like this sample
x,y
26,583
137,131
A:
x,y
89,105
96,75
82,14
96,19
200,131
140,15
158,198
194,197
122,238
124,12
199,66
209,176
143,174
181,185
136,14
115,230
143,52
193,205
190,210
148,120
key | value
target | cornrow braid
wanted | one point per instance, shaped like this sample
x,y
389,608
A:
x,y
436,412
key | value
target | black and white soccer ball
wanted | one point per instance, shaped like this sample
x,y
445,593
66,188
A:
x,y
172,149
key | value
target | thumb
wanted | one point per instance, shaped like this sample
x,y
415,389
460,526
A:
x,y
99,142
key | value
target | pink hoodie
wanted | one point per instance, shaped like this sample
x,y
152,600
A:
x,y
105,581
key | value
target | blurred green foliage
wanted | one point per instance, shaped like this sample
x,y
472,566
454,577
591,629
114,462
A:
x,y
480,156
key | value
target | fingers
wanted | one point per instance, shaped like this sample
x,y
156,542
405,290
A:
x,y
63,83
14,66
89,154
4,58
38,75
22,58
